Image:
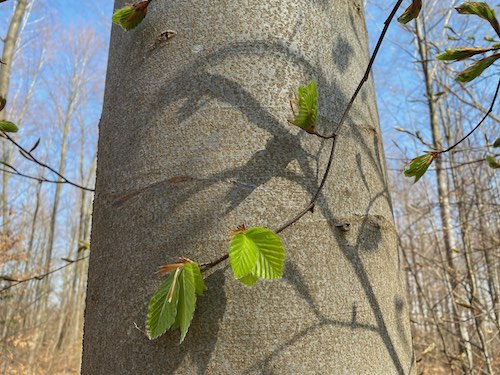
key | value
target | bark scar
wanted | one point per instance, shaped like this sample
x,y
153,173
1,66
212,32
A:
x,y
172,181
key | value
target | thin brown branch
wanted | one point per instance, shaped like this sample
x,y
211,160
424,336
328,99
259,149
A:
x,y
43,275
39,179
334,136
206,266
347,110
28,155
478,125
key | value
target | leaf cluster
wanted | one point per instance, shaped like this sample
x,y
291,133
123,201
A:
x,y
6,126
173,304
411,12
492,161
130,16
256,253
482,10
307,101
419,165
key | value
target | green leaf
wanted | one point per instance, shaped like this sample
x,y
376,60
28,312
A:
x,y
271,253
243,255
198,279
3,102
475,70
83,245
187,299
8,127
461,53
492,162
411,12
418,166
497,143
256,253
482,10
307,101
132,15
162,309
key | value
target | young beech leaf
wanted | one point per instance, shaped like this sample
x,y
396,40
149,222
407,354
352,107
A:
x,y
187,299
482,10
8,127
411,12
256,253
243,255
475,70
497,143
198,279
132,15
307,101
174,302
461,53
492,162
162,309
83,245
419,165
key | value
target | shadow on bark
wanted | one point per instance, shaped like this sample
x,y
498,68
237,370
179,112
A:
x,y
255,173
368,230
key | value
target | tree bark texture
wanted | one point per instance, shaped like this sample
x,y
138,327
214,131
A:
x,y
194,140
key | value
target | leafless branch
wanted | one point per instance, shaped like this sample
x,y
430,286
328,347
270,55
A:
x,y
28,155
16,282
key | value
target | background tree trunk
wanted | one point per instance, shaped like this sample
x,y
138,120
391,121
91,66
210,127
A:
x,y
212,104
5,70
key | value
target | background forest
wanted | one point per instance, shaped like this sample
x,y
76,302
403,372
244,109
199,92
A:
x,y
448,222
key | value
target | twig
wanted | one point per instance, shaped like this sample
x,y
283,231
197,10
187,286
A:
x,y
334,136
39,179
206,266
416,135
28,155
478,125
44,275
344,118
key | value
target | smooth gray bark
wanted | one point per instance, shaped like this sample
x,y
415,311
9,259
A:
x,y
211,104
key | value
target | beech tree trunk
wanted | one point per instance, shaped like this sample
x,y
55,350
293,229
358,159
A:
x,y
194,140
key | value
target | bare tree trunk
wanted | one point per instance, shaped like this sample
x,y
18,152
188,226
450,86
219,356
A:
x,y
443,192
5,70
475,301
67,116
212,104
